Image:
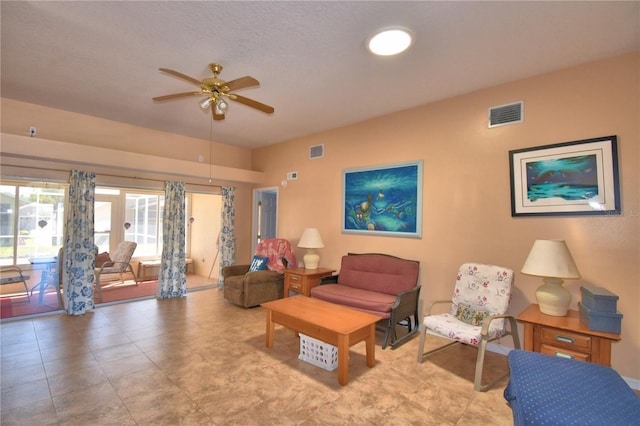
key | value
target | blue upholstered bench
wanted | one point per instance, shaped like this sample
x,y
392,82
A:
x,y
547,390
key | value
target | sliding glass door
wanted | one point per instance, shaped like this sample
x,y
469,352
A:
x,y
31,221
108,219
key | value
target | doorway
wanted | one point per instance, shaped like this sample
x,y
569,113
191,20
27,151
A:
x,y
265,215
108,219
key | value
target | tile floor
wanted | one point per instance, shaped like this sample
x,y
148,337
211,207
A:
x,y
201,361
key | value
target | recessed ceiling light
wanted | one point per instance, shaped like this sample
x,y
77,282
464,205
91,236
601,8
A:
x,y
390,42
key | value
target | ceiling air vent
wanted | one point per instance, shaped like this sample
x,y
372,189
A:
x,y
316,151
506,114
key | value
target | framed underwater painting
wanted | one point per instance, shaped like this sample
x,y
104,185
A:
x,y
383,200
565,179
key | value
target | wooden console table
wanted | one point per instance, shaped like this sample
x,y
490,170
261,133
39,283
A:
x,y
301,280
565,337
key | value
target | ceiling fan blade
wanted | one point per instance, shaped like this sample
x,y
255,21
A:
x,y
176,95
182,76
216,117
253,104
241,83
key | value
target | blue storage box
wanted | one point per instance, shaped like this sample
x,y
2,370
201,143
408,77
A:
x,y
599,299
600,321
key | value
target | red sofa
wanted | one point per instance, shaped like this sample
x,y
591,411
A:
x,y
380,284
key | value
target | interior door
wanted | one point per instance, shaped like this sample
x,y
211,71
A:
x,y
265,215
269,213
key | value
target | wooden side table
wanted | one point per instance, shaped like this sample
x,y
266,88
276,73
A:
x,y
300,280
565,337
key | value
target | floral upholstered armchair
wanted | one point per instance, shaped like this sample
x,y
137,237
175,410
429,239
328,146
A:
x,y
119,262
479,304
261,281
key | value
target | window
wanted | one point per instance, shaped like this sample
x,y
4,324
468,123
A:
x,y
107,217
143,215
132,215
32,220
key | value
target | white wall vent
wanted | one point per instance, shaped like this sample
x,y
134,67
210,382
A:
x,y
292,175
316,151
506,114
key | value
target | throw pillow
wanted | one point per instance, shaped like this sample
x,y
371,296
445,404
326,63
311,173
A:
x,y
101,259
469,315
258,264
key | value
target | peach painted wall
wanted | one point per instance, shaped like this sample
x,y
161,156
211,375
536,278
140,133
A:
x,y
466,191
65,126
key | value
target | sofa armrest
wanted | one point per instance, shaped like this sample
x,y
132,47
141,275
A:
x,y
261,277
331,279
234,270
406,303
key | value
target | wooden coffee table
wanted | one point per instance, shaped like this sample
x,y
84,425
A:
x,y
333,324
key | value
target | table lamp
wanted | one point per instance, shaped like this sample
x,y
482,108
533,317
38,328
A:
x,y
311,240
551,260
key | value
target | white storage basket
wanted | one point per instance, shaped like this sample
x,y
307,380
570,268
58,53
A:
x,y
318,353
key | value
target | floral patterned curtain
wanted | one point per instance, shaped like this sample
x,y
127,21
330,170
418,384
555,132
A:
x,y
172,278
79,253
228,231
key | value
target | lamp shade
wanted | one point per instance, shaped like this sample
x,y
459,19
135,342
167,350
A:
x,y
550,258
311,239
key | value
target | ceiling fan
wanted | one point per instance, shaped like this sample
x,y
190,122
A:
x,y
217,91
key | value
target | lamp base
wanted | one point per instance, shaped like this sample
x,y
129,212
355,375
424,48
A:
x,y
311,260
553,299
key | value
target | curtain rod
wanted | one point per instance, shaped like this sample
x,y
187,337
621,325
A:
x,y
49,169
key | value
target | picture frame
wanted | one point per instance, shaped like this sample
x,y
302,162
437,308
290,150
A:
x,y
383,200
566,179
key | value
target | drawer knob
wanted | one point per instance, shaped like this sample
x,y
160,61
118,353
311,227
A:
x,y
565,339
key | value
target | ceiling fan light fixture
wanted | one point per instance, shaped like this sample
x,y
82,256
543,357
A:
x,y
221,106
204,104
390,42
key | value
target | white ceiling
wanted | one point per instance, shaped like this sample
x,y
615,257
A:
x,y
102,58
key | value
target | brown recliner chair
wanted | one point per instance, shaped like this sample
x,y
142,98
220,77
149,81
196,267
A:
x,y
249,289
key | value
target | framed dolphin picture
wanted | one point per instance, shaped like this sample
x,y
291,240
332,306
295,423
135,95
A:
x,y
564,179
383,200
